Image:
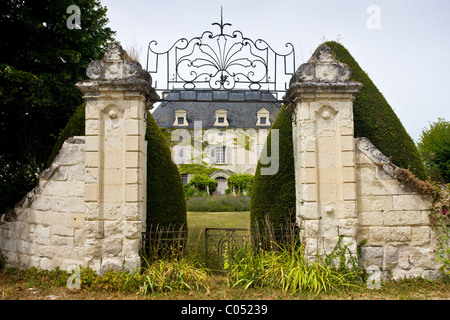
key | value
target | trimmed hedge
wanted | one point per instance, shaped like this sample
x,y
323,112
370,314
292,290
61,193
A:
x,y
274,196
75,127
166,204
376,120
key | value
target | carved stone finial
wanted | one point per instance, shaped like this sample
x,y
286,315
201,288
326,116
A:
x,y
115,66
322,68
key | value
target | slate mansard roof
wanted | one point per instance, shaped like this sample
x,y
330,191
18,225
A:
x,y
201,105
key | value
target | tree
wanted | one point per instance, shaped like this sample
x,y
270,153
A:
x,y
434,147
40,61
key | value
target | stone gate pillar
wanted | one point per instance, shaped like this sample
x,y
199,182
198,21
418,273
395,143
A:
x,y
324,152
115,159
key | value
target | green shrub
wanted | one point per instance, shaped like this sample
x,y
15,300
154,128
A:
x,y
75,127
376,120
166,204
273,196
203,182
218,204
240,183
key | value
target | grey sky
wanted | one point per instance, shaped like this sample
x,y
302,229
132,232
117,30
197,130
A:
x,y
408,57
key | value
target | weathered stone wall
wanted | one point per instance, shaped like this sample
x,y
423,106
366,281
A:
x,y
46,228
393,218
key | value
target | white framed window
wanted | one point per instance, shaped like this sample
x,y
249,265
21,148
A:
x,y
221,118
221,154
180,118
218,154
263,117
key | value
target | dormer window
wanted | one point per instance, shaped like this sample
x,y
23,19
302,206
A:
x,y
263,117
180,118
221,118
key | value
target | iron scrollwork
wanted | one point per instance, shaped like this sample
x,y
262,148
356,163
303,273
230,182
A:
x,y
222,61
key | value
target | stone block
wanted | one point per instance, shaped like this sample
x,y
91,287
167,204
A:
x,y
94,229
308,160
390,257
133,127
308,175
311,228
113,159
132,159
347,227
326,144
370,218
308,210
349,191
91,192
327,159
43,234
423,258
112,211
348,210
375,203
68,155
112,246
92,143
420,235
25,247
91,175
76,172
92,127
309,192
402,218
132,229
411,202
348,174
371,255
112,176
77,220
348,159
133,143
347,143
112,193
132,211
328,192
91,159
113,229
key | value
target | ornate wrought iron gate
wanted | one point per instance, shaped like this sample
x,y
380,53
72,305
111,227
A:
x,y
221,62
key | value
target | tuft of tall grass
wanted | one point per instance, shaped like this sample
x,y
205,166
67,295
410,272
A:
x,y
181,274
287,269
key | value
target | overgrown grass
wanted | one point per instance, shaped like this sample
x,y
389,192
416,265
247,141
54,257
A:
x,y
159,276
218,204
289,269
